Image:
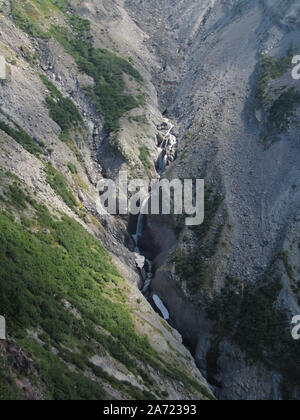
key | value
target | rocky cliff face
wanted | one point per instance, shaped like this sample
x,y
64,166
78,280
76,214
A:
x,y
78,106
228,84
90,88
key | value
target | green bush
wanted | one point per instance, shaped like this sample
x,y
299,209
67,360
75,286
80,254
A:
x,y
63,112
144,158
55,93
72,168
61,260
21,137
62,5
270,68
107,71
24,22
191,266
58,183
283,109
8,389
81,27
252,319
35,276
225,308
17,196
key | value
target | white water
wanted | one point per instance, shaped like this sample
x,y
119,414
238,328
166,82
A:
x,y
141,261
165,156
164,311
166,149
139,232
148,280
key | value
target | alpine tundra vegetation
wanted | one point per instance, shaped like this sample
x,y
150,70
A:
x,y
95,306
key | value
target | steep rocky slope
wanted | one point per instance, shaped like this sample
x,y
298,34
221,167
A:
x,y
232,285
78,105
73,112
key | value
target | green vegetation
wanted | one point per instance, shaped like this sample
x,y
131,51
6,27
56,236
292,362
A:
x,y
253,320
283,110
58,183
191,266
62,261
107,71
8,389
62,5
279,105
21,137
81,27
259,317
55,93
270,68
140,119
72,168
16,196
30,57
76,268
61,110
225,308
103,66
26,23
144,158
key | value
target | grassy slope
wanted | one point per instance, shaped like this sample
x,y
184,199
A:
x,y
47,260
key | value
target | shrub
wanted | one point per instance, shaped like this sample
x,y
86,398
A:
x,y
21,137
63,112
270,68
72,168
144,158
17,196
191,266
37,271
107,71
24,22
8,389
253,320
58,183
55,93
283,109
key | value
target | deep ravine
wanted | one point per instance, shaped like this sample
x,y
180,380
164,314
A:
x,y
166,147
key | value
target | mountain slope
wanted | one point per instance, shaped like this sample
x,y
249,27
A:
x,y
78,327
237,108
90,86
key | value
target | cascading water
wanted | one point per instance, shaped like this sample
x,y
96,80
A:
x,y
141,261
139,231
166,155
167,147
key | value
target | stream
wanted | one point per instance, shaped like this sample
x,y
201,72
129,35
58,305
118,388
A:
x,y
166,148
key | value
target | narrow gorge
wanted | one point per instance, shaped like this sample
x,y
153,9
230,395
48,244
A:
x,y
166,149
143,307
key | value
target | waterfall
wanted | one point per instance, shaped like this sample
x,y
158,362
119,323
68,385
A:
x,y
166,154
164,311
160,164
148,280
167,147
139,231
